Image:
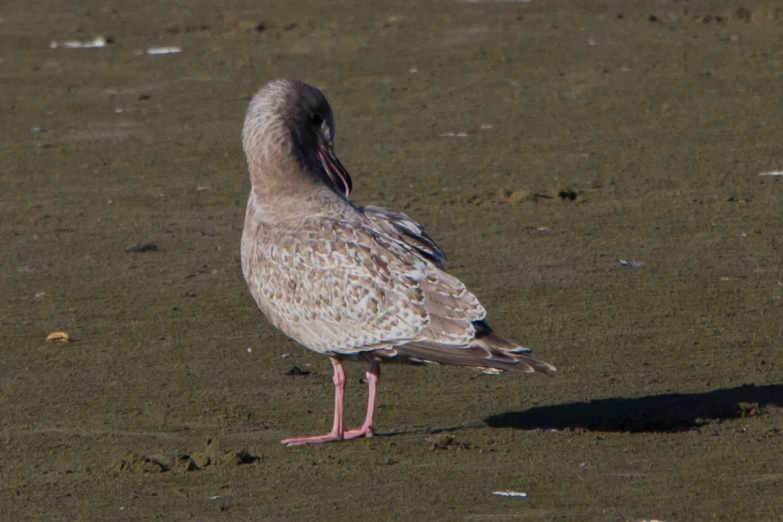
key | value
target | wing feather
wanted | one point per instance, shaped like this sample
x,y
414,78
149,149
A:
x,y
405,230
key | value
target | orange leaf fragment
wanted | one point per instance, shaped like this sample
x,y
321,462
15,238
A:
x,y
60,337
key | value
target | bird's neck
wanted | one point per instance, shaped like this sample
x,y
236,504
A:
x,y
272,203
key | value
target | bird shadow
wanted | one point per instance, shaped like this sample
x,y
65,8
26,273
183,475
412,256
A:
x,y
429,431
665,413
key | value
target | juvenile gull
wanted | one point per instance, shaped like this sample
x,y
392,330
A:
x,y
354,283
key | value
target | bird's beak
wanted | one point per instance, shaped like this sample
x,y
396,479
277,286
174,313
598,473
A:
x,y
333,167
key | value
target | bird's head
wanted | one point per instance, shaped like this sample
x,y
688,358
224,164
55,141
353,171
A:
x,y
291,120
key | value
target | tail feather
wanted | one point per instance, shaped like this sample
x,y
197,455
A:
x,y
488,352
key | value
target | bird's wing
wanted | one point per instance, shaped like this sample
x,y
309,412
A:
x,y
404,229
345,287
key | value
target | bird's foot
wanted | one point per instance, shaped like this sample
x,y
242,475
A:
x,y
364,431
314,439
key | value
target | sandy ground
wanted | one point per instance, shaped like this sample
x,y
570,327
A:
x,y
541,143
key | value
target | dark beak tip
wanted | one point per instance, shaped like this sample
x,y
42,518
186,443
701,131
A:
x,y
335,170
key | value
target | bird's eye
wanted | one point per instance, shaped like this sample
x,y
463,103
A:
x,y
318,119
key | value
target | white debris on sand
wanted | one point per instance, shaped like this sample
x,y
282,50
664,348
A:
x,y
630,263
99,42
509,493
159,51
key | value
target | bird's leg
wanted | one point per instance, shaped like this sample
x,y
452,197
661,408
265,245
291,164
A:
x,y
339,400
367,429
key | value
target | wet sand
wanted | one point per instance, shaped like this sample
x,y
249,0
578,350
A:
x,y
540,143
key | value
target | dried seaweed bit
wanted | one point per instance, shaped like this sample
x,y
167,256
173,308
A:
x,y
297,371
241,457
159,463
567,194
143,246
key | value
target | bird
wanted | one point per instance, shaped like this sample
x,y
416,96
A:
x,y
354,283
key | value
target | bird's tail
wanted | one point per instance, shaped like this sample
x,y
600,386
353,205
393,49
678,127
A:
x,y
487,352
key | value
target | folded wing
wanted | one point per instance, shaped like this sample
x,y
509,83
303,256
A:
x,y
374,288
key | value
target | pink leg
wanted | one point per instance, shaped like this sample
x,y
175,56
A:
x,y
339,397
367,429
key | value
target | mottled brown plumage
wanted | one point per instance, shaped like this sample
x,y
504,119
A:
x,y
363,283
